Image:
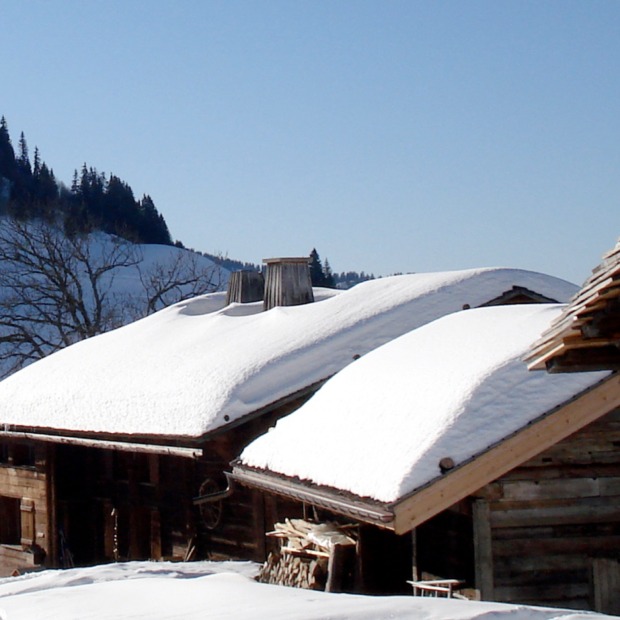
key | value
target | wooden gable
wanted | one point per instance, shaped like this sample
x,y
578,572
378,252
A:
x,y
587,335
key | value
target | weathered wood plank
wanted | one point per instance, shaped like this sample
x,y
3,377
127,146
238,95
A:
x,y
555,470
537,578
551,489
483,550
561,594
560,513
507,566
606,585
543,546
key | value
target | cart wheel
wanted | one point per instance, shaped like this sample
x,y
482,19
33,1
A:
x,y
210,512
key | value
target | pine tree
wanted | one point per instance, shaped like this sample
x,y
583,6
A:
x,y
23,187
328,275
8,167
120,214
316,269
36,165
93,202
7,154
319,275
23,161
154,226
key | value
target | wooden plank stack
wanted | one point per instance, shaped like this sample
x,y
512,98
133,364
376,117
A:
x,y
306,554
585,336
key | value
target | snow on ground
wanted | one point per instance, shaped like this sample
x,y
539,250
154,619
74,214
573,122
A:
x,y
451,388
194,366
210,590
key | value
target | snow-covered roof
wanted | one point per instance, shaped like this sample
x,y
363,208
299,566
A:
x,y
452,388
197,366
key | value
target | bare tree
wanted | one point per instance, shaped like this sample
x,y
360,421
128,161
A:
x,y
182,277
57,289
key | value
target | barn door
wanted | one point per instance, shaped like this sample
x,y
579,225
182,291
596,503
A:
x,y
606,585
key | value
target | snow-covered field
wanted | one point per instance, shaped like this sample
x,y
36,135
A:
x,y
201,590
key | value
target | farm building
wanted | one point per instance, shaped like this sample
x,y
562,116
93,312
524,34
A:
x,y
116,447
455,462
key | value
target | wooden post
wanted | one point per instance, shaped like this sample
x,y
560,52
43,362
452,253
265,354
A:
x,y
415,573
52,523
606,585
483,551
155,534
109,530
155,551
134,516
339,559
258,508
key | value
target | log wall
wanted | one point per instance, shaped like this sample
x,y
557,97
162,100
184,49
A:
x,y
26,515
548,532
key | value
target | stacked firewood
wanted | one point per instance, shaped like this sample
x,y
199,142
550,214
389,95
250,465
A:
x,y
303,558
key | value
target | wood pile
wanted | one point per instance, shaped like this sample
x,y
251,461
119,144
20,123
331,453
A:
x,y
306,552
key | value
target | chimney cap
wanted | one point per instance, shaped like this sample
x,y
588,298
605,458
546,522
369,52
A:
x,y
288,259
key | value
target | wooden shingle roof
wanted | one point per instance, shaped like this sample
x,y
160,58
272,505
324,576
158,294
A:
x,y
586,336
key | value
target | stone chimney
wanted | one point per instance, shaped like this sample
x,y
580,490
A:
x,y
245,286
287,282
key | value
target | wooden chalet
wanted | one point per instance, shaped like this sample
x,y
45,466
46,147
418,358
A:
x,y
116,448
533,517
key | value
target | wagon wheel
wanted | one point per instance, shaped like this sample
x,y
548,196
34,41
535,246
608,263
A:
x,y
211,512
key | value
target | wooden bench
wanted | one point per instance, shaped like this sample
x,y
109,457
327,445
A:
x,y
436,588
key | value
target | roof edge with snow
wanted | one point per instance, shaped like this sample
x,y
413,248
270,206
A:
x,y
179,445
442,492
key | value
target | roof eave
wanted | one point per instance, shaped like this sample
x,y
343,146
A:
x,y
333,500
464,480
169,449
540,434
147,442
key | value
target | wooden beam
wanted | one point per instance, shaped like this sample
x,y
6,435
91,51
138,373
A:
x,y
501,458
340,558
415,573
155,542
483,550
585,360
104,444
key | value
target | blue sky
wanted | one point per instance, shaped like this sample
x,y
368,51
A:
x,y
393,136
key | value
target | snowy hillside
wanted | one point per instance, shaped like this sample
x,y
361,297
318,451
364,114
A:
x,y
56,290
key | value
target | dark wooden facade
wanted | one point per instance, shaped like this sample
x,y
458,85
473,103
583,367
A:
x,y
63,504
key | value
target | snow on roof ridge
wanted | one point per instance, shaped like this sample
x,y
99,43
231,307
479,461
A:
x,y
195,366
